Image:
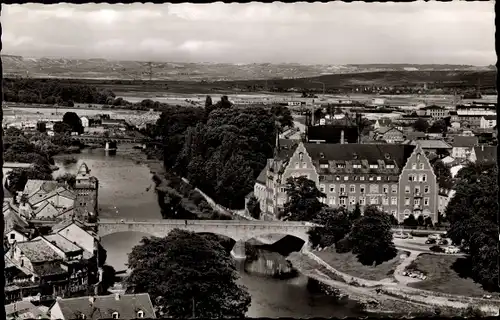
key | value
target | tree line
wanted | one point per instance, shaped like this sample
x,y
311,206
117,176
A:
x,y
221,148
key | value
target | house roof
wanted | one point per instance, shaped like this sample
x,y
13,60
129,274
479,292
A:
x,y
372,153
48,268
433,107
62,243
59,192
490,117
103,307
464,141
38,251
43,186
414,135
384,130
433,144
447,160
486,153
12,218
24,310
263,175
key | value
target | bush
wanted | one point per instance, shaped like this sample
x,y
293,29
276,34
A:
x,y
436,249
343,246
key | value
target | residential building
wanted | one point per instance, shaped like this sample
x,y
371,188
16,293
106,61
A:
x,y
376,174
476,109
438,147
389,135
462,146
445,195
76,232
127,306
488,122
85,122
436,112
25,310
483,154
15,228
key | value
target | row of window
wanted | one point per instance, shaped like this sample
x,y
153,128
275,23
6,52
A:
x,y
362,201
417,202
374,188
343,166
420,166
354,178
417,177
417,189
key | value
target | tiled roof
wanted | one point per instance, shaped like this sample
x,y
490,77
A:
x,y
103,307
414,135
48,268
12,218
433,144
38,251
42,186
486,153
384,130
371,153
59,192
24,310
263,175
62,243
464,141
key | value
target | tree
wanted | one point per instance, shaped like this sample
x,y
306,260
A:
x,y
438,126
208,101
18,177
420,125
410,221
303,200
336,225
187,275
283,115
62,128
74,121
428,222
356,213
443,173
253,207
420,220
371,238
472,214
68,178
108,278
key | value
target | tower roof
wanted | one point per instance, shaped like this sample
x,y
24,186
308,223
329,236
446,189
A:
x,y
83,170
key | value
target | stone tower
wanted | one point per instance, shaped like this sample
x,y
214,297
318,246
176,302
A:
x,y
86,195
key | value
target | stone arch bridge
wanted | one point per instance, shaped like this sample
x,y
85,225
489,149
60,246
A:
x,y
238,230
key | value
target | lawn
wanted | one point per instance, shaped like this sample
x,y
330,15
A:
x,y
442,277
348,263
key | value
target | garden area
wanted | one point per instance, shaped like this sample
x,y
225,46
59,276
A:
x,y
348,263
446,274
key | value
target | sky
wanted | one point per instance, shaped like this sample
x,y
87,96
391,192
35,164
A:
x,y
308,33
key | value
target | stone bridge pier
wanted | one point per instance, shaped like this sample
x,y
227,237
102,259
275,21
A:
x,y
239,251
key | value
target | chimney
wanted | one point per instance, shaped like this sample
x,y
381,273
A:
x,y
342,137
117,296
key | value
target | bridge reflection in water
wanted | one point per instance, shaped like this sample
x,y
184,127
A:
x,y
239,231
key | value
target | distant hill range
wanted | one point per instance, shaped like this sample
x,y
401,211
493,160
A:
x,y
101,69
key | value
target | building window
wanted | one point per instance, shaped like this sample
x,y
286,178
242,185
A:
x,y
342,201
115,315
424,177
297,165
352,188
362,178
379,178
407,201
416,202
332,188
426,201
362,201
12,236
356,166
341,165
337,178
374,188
385,189
332,201
371,178
410,177
390,166
362,188
418,156
140,314
394,188
407,189
346,178
393,212
301,156
414,166
394,201
324,166
374,200
426,189
417,189
352,201
304,165
374,166
342,188
385,201
322,187
421,166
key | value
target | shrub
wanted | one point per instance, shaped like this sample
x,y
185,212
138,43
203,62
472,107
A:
x,y
436,249
343,246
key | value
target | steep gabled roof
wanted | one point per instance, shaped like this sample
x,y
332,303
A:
x,y
103,307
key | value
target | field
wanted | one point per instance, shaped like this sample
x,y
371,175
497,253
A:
x,y
348,263
442,277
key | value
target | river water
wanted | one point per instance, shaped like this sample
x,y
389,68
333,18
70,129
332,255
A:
x,y
123,185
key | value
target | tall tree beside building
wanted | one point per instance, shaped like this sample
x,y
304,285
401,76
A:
x,y
442,172
371,238
253,207
74,121
303,200
188,275
420,125
335,226
472,214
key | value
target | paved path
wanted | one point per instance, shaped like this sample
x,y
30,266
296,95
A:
x,y
398,273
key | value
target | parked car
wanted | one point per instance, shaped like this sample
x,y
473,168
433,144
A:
x,y
452,250
436,249
430,241
400,236
443,242
435,236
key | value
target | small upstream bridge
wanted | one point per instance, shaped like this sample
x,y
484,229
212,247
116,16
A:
x,y
239,231
103,140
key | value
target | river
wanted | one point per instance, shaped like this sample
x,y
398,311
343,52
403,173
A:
x,y
123,193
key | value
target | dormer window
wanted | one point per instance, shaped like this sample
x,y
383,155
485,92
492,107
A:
x,y
373,166
115,315
390,166
322,155
140,314
340,165
356,166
